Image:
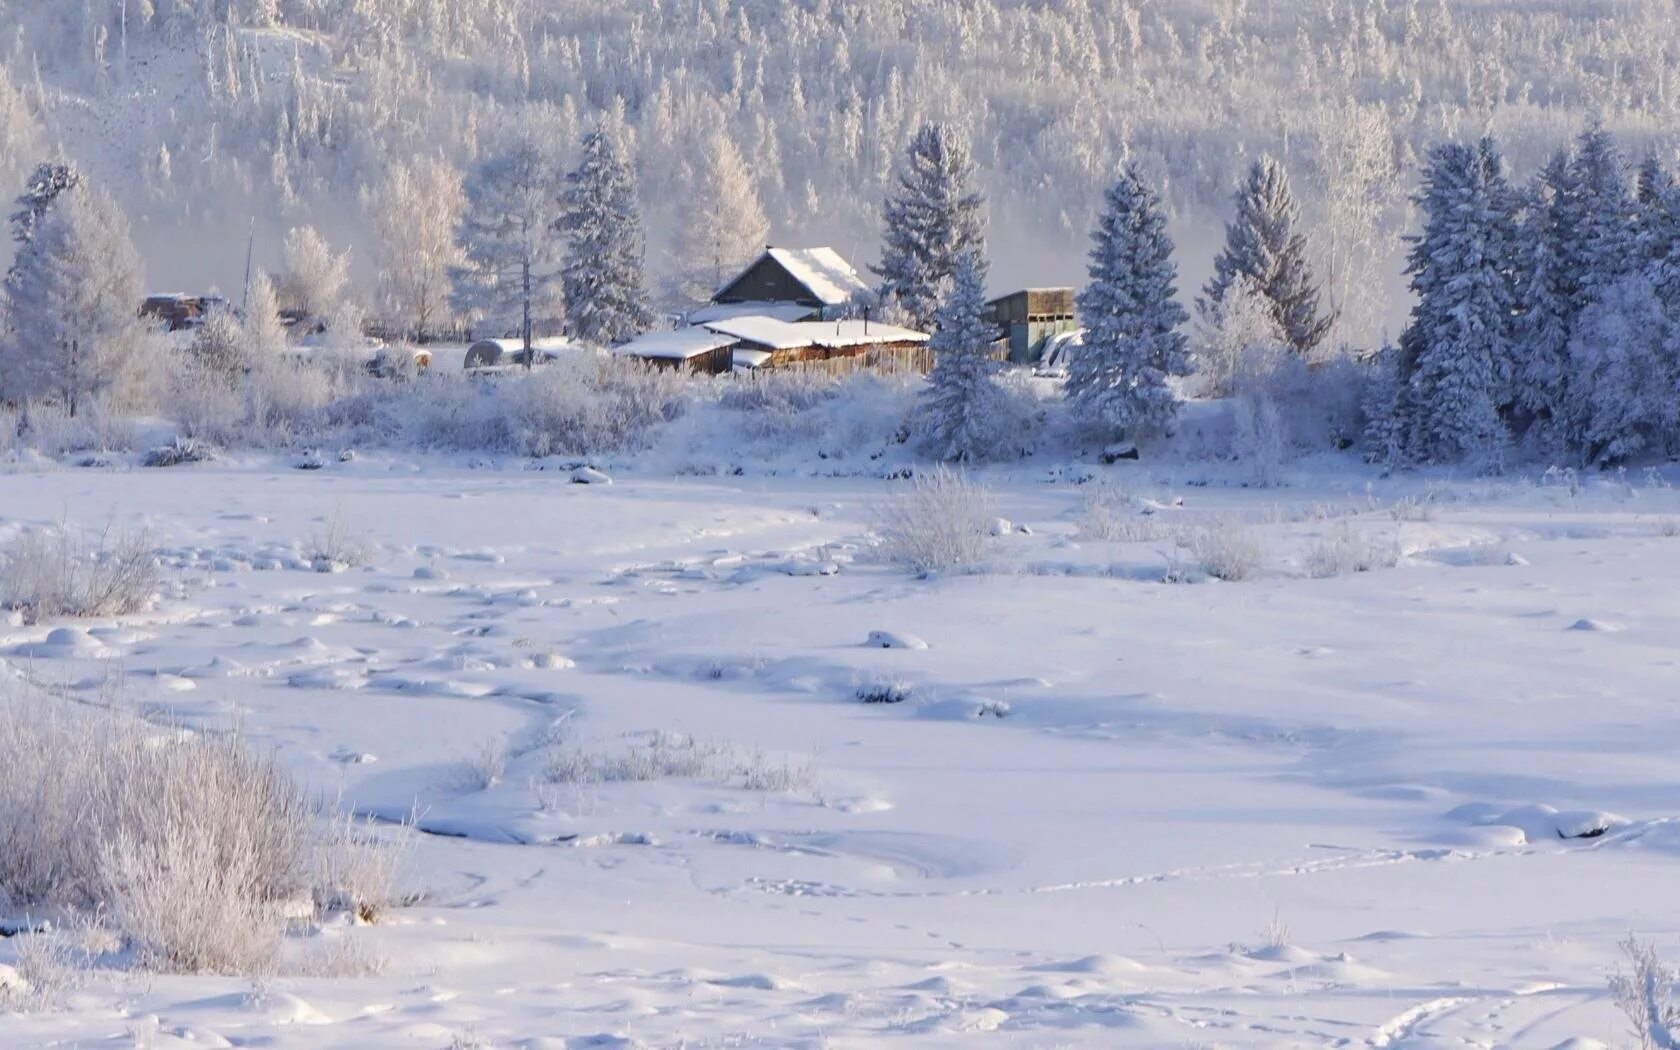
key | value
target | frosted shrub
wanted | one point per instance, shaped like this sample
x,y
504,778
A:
x,y
1258,439
55,573
337,545
944,521
1110,513
195,847
1226,549
778,390
1345,549
668,756
590,405
358,871
1644,995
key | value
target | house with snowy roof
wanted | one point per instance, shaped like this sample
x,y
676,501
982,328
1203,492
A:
x,y
789,308
788,284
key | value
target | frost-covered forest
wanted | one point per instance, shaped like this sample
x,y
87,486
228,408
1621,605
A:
x,y
205,113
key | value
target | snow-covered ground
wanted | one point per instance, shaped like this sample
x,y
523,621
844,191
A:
x,y
1416,806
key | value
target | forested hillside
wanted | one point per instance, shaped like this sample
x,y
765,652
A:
x,y
202,114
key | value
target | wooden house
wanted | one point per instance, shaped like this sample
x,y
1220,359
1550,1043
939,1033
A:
x,y
792,284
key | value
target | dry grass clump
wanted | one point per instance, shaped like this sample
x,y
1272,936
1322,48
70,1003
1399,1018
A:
x,y
943,521
1226,549
196,849
676,756
1345,549
57,573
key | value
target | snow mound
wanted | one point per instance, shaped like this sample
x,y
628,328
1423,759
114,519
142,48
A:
x,y
894,640
1602,626
1538,822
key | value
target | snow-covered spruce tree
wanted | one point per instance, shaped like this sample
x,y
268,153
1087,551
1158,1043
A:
x,y
1387,409
606,301
74,334
1604,251
1623,372
1264,247
723,225
1548,288
511,279
414,211
1118,381
963,415
1455,352
49,181
930,222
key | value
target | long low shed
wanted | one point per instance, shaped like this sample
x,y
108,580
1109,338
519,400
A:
x,y
689,349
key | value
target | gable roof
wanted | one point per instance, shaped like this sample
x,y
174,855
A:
x,y
678,345
828,279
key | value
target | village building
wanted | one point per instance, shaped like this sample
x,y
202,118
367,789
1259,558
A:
x,y
1027,320
790,284
789,309
178,312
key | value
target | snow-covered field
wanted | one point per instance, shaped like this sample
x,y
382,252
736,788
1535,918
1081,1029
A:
x,y
1416,806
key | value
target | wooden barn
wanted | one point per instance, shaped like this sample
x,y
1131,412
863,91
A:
x,y
1028,318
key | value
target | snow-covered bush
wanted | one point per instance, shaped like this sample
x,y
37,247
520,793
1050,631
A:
x,y
181,450
337,546
359,870
1112,514
667,756
1346,549
943,521
591,405
56,572
1258,439
195,847
1226,549
1644,993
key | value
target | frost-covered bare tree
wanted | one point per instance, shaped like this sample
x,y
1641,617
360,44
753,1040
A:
x,y
511,279
723,223
314,279
414,211
74,336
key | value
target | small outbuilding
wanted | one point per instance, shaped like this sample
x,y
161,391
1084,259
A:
x,y
1028,318
697,350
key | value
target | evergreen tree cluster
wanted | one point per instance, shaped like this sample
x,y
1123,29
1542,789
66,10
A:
x,y
1547,316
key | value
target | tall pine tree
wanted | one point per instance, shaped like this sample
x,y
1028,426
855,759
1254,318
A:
x,y
963,414
1549,295
1455,352
1605,239
930,223
511,280
606,301
1264,246
1118,380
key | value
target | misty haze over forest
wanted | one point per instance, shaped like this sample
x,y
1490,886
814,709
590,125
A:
x,y
206,114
